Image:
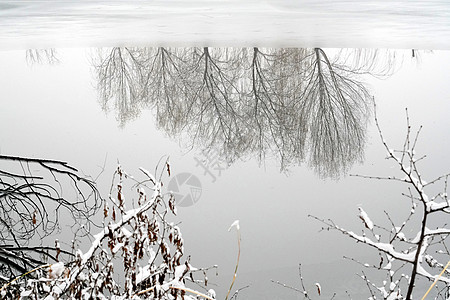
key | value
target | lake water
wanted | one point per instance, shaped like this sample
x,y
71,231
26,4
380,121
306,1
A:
x,y
54,111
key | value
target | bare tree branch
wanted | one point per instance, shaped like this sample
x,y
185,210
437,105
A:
x,y
30,206
412,255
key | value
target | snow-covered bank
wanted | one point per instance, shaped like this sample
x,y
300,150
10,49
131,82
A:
x,y
376,24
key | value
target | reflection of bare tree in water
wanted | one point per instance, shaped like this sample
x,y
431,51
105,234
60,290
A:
x,y
120,78
296,104
41,56
216,119
275,86
335,106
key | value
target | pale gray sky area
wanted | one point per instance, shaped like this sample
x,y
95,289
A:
x,y
53,111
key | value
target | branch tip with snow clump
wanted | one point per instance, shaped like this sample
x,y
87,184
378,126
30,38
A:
x,y
235,224
365,218
319,288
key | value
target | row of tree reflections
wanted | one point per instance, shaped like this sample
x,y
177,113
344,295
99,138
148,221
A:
x,y
295,104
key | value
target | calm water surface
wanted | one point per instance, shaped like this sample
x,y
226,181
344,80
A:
x,y
54,111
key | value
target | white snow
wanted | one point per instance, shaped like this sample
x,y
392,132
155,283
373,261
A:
x,y
179,270
152,255
235,224
430,232
98,238
430,260
385,247
401,236
56,270
117,247
418,183
143,274
319,288
365,218
423,272
212,293
26,293
433,206
269,22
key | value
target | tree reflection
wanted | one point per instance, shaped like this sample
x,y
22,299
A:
x,y
41,56
120,78
295,104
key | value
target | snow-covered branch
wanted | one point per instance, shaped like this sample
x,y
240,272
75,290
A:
x,y
141,242
406,259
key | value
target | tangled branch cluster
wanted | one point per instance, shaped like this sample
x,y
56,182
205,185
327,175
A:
x,y
404,258
31,199
138,254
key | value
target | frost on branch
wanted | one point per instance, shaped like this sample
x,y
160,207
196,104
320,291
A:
x,y
139,254
365,218
407,258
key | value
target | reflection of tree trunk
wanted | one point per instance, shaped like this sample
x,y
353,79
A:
x,y
336,107
219,100
166,84
274,82
292,103
42,56
119,78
